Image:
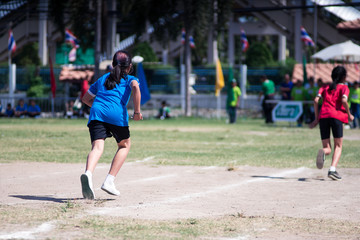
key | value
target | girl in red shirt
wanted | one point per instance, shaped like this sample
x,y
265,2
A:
x,y
334,112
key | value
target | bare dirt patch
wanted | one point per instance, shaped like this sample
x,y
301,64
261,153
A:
x,y
177,193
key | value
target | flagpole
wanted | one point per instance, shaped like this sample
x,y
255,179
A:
x,y
10,77
315,36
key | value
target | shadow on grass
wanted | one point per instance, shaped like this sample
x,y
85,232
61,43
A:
x,y
286,178
53,199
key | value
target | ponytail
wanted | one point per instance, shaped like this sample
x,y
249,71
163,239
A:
x,y
337,75
121,62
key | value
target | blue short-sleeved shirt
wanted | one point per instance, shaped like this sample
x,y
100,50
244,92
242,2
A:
x,y
35,108
21,108
110,105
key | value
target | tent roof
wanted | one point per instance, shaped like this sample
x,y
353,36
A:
x,y
349,25
76,74
323,71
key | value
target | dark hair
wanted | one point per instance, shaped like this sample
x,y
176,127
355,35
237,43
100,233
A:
x,y
337,75
121,61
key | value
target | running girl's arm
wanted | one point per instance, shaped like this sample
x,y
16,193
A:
x,y
137,99
88,99
346,106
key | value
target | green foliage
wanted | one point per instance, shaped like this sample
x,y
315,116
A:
x,y
36,90
145,50
288,66
258,55
37,87
28,55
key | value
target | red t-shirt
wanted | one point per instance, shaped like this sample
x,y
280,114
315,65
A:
x,y
332,102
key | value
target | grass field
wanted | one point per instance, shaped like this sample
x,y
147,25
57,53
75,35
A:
x,y
175,142
200,142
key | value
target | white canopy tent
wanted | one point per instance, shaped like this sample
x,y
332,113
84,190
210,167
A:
x,y
346,51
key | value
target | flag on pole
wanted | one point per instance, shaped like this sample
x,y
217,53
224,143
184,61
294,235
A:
x,y
70,38
219,78
306,38
11,42
191,42
183,34
304,69
191,39
72,55
145,93
52,78
245,42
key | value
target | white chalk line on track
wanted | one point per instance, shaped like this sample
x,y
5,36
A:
x,y
29,234
106,211
146,159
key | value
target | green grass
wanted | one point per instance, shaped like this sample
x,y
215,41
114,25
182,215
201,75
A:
x,y
173,142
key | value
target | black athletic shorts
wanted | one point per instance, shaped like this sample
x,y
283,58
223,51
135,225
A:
x,y
331,123
103,130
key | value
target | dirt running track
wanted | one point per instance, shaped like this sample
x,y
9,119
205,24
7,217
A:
x,y
169,192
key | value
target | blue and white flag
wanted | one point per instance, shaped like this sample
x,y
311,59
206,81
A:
x,y
191,42
145,93
191,39
11,42
306,38
70,38
183,34
245,42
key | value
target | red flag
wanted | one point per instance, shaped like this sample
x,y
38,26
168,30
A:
x,y
52,78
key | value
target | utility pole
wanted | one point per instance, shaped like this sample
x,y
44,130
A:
x,y
98,39
188,29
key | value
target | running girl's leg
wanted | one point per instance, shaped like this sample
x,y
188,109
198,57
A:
x,y
337,151
119,159
120,156
95,154
92,159
326,146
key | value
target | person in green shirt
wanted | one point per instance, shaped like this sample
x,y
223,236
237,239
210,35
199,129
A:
x,y
234,103
164,111
354,99
310,94
268,90
298,94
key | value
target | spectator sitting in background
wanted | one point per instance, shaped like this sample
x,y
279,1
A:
x,y
33,110
71,110
164,111
286,87
21,109
9,112
1,111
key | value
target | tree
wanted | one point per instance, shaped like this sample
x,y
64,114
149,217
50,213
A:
x,y
144,49
258,55
28,55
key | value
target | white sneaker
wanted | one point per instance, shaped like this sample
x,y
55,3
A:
x,y
87,188
110,188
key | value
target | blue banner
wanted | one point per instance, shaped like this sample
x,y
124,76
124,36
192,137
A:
x,y
145,93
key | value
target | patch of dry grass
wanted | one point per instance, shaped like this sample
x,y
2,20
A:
x,y
71,223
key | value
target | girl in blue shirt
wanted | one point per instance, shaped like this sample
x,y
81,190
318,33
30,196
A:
x,y
108,98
